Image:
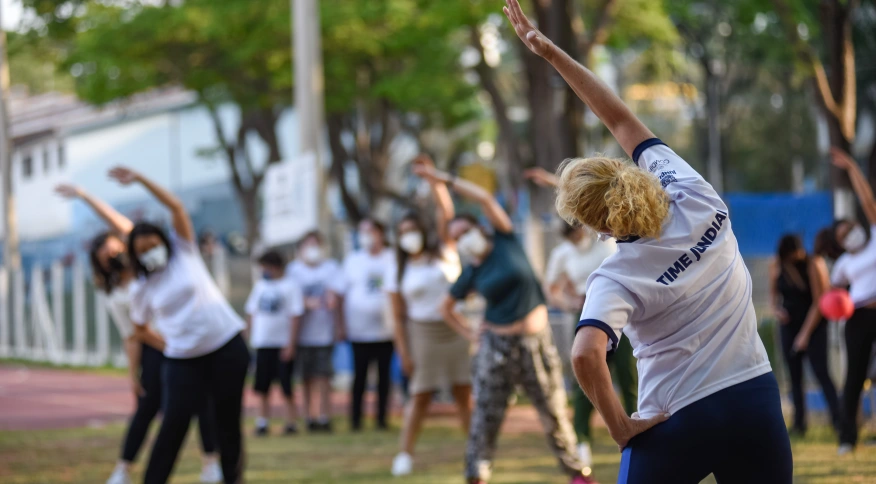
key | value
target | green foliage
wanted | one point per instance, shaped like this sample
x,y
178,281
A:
x,y
401,52
33,63
227,51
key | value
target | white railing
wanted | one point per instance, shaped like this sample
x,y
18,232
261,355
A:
x,y
47,316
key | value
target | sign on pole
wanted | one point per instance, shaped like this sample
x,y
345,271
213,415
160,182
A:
x,y
290,197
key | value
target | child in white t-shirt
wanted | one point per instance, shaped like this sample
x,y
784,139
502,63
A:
x,y
321,327
273,308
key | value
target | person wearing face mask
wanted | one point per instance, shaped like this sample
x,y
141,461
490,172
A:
x,y
516,346
113,274
434,351
273,308
367,326
206,358
856,268
797,282
678,288
569,266
313,341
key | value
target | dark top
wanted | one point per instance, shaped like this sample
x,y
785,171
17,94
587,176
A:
x,y
796,299
505,279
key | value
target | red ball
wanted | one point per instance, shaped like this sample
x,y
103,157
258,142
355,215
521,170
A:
x,y
836,304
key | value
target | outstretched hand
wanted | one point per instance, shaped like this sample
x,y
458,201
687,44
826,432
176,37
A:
x,y
68,191
541,177
424,168
534,40
842,160
123,175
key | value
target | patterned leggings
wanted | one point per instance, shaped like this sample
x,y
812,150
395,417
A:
x,y
531,361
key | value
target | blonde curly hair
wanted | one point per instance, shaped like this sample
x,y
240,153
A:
x,y
611,195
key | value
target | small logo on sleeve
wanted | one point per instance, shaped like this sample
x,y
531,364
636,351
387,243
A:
x,y
657,164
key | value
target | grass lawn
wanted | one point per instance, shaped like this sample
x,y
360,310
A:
x,y
87,455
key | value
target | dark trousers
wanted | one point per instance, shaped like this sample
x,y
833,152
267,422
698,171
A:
x,y
860,336
187,383
148,405
363,355
737,433
816,353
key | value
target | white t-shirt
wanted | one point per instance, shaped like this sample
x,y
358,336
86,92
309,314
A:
x,y
185,305
684,301
364,298
118,303
425,284
273,304
577,262
317,325
858,271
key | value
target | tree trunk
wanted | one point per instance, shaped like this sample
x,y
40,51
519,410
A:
x,y
833,20
340,156
569,118
249,203
507,136
713,105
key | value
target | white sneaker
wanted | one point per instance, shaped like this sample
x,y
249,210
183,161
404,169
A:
x,y
845,449
211,473
403,464
584,454
119,476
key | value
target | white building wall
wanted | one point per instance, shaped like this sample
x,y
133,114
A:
x,y
167,147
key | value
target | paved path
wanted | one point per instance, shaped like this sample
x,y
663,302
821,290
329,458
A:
x,y
42,398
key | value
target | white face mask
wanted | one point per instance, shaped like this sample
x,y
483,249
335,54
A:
x,y
411,243
366,241
312,254
154,259
472,244
855,240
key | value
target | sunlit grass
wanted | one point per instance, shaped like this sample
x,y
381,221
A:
x,y
87,455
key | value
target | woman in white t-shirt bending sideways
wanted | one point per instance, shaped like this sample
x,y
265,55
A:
x,y
678,288
433,351
206,357
856,268
112,273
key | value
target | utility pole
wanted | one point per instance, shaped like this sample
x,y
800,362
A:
x,y
309,92
11,257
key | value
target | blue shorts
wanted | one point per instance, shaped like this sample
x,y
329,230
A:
x,y
738,434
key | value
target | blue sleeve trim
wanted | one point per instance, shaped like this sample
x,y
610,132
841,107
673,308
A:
x,y
604,327
628,240
644,145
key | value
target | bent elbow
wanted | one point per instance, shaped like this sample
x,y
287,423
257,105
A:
x,y
586,358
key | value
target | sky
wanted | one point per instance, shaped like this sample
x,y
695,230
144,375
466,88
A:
x,y
11,12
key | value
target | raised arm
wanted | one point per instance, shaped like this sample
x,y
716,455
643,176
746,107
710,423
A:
x,y
617,117
444,210
182,223
117,222
859,182
494,212
541,177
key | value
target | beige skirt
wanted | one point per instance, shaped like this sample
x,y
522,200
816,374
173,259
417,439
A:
x,y
440,355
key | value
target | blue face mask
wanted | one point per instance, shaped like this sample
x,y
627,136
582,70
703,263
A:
x,y
267,276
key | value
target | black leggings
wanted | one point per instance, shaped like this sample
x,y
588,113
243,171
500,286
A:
x,y
148,405
816,353
860,336
363,355
218,376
